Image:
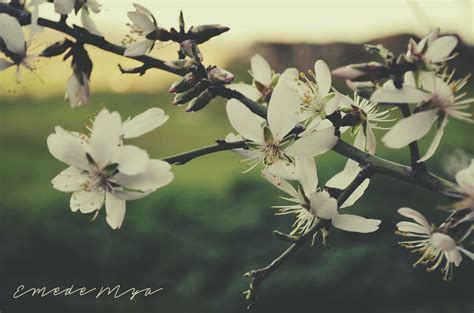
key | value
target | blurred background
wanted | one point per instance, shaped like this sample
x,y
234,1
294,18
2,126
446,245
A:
x,y
196,237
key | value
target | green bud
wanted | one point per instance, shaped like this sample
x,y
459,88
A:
x,y
200,101
186,96
184,64
219,75
203,33
183,84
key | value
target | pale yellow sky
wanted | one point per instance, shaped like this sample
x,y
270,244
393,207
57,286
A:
x,y
250,21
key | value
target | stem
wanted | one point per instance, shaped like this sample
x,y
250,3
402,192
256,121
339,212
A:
x,y
190,155
414,151
259,275
392,169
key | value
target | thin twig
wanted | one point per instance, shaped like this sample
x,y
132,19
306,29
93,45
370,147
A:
x,y
259,275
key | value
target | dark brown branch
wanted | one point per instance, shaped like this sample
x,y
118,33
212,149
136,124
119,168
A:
x,y
220,146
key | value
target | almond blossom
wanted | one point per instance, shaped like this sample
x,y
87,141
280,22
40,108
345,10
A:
x,y
102,170
144,23
64,7
437,101
432,50
272,143
312,203
14,46
434,246
77,91
264,80
317,99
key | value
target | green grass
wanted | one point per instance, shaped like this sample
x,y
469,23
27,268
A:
x,y
197,236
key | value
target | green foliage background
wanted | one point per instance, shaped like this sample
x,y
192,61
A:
x,y
196,237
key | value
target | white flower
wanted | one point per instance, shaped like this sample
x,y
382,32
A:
x,y
317,99
144,23
431,50
435,246
14,45
465,182
64,7
437,100
264,80
270,143
103,170
77,92
311,203
370,117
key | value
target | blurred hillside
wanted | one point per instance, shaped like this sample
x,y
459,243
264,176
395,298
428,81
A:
x,y
336,54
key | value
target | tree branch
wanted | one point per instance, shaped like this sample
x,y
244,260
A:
x,y
190,155
380,166
259,275
414,151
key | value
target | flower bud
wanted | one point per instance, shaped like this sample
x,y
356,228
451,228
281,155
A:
x,y
200,101
183,64
347,72
219,75
186,96
362,72
203,33
56,48
183,84
189,48
160,34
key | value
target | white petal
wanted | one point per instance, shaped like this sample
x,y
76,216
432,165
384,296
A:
x,y
443,242
281,184
261,70
323,205
342,179
89,24
416,216
323,77
465,178
144,123
244,121
332,105
406,94
357,194
283,109
64,7
371,142
4,64
454,256
283,170
355,223
115,210
307,174
105,136
410,129
142,21
410,227
131,160
93,5
440,49
76,93
313,144
70,180
156,175
87,201
68,148
247,90
436,140
138,48
290,74
10,32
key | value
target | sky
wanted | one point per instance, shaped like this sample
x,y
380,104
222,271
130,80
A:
x,y
316,21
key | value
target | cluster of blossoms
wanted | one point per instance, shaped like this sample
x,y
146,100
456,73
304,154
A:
x,y
304,117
